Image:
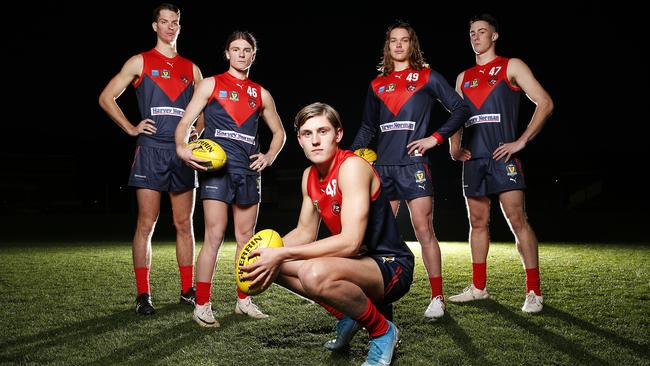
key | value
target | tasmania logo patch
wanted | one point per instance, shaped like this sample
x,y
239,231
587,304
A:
x,y
420,177
511,170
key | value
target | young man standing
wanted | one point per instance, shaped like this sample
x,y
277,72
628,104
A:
x,y
398,106
233,104
164,83
492,90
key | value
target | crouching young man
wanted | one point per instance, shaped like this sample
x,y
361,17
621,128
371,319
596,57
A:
x,y
364,263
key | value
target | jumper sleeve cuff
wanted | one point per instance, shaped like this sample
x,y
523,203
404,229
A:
x,y
438,137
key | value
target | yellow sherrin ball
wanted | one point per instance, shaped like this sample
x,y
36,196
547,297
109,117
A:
x,y
266,238
368,154
211,151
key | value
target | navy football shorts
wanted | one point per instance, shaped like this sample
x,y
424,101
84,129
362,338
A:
x,y
405,182
161,170
398,276
486,176
241,189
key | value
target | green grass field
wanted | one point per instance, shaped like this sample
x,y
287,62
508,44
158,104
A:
x,y
72,304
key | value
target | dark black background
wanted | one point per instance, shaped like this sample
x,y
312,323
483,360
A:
x,y
66,163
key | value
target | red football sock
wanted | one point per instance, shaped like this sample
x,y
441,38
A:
x,y
187,277
142,280
339,315
373,321
436,286
479,275
203,292
533,281
241,294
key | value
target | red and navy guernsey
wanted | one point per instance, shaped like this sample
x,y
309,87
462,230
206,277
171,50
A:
x,y
231,119
399,105
494,108
163,90
382,236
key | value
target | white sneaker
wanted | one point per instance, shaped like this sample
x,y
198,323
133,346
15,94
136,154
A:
x,y
470,293
202,314
246,306
436,308
533,303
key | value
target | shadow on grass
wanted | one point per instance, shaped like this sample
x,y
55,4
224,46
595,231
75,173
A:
x,y
342,356
630,345
19,348
140,349
166,342
572,349
463,340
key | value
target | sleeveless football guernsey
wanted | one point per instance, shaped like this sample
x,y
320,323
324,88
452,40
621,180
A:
x,y
494,107
163,90
382,236
231,119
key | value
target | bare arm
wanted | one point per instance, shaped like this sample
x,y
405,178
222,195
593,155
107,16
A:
x,y
200,122
355,180
264,269
455,150
520,75
272,119
130,71
355,183
192,112
308,221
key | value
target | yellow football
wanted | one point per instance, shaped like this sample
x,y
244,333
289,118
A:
x,y
368,154
266,238
211,151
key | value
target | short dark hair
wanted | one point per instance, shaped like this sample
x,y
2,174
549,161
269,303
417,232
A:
x,y
165,6
315,110
486,18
